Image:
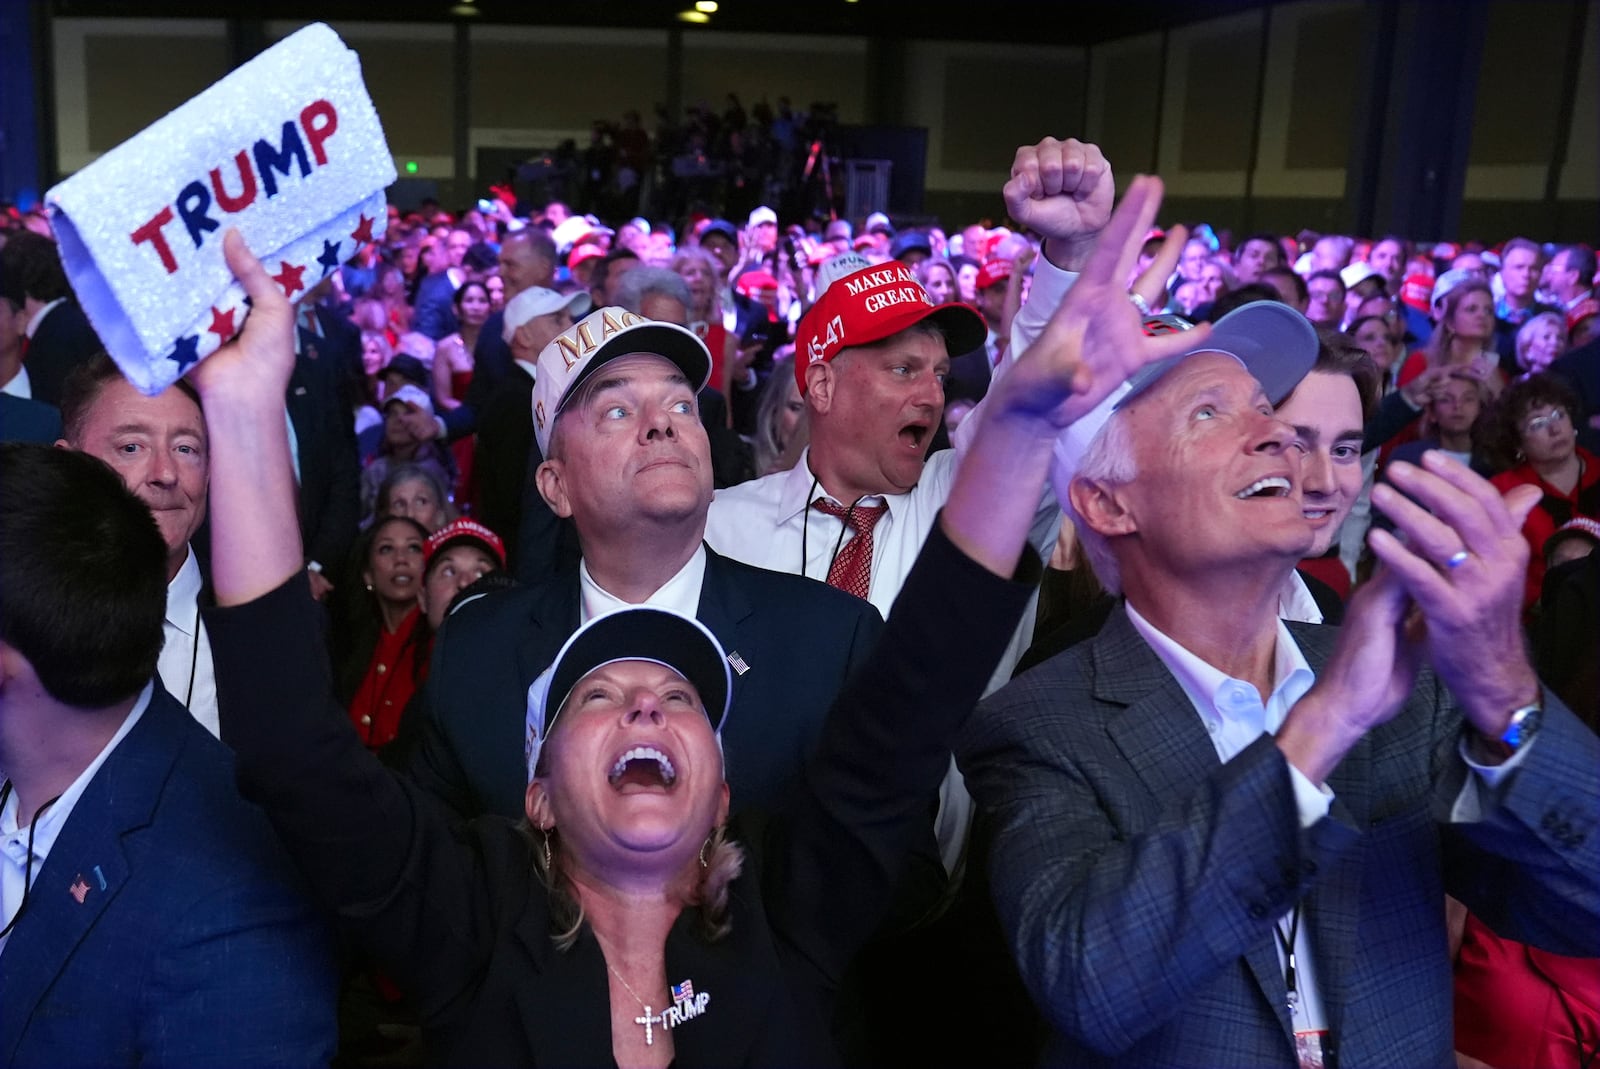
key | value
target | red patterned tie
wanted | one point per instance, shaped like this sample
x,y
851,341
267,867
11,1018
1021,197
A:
x,y
852,566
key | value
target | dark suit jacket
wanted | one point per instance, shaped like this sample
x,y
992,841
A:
x,y
434,308
1138,879
491,364
506,454
800,639
457,917
22,420
330,467
194,943
64,340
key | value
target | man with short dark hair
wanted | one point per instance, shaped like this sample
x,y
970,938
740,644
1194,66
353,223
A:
x,y
151,917
1292,289
1257,253
1325,299
56,334
1571,274
434,307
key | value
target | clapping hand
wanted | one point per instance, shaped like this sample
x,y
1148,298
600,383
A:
x,y
1460,553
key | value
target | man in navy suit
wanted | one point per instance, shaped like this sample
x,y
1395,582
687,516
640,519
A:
x,y
626,457
56,335
151,917
434,313
1220,839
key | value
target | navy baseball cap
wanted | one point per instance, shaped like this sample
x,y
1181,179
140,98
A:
x,y
1274,342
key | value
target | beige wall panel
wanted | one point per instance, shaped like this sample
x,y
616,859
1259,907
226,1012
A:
x,y
1306,105
1123,101
114,77
561,79
407,70
1206,112
1580,178
976,123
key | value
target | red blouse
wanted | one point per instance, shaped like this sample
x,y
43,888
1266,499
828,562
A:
x,y
395,672
1555,509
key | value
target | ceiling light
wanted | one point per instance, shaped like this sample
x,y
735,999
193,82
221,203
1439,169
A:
x,y
707,7
463,8
694,16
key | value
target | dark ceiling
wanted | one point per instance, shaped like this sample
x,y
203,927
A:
x,y
1032,21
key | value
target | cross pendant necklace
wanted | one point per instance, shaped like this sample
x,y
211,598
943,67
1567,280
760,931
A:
x,y
649,1020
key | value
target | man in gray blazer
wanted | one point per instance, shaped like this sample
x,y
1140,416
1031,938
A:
x,y
1220,839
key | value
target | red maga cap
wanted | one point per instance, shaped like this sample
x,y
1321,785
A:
x,y
993,272
871,303
1417,292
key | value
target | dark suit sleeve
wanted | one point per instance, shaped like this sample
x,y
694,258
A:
x,y
375,849
1116,929
546,543
261,955
429,758
1394,415
885,748
1530,867
433,315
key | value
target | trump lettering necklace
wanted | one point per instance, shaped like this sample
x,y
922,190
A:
x,y
686,1006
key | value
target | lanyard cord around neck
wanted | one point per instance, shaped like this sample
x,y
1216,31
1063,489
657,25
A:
x,y
1287,941
27,868
194,659
805,529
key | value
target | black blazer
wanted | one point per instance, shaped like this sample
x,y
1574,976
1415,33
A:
x,y
325,437
64,340
800,640
454,914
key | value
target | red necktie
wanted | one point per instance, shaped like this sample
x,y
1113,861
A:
x,y
852,566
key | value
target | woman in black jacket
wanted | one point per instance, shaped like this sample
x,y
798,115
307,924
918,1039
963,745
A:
x,y
627,920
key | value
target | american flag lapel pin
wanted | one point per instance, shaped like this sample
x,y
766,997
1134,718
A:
x,y
738,662
79,889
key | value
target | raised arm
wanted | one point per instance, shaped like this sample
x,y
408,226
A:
x,y
886,743
366,842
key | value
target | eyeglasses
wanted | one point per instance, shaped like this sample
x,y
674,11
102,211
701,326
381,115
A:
x,y
1553,418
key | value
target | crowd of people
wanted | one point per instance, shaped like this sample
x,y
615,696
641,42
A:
x,y
722,163
585,638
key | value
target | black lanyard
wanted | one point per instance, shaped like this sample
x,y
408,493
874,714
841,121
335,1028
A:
x,y
805,529
27,868
1287,943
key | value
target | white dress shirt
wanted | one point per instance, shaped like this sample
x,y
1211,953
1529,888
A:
x,y
768,522
681,593
38,317
186,653
15,828
1234,716
19,385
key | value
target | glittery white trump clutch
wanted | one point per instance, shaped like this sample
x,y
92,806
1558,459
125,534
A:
x,y
287,148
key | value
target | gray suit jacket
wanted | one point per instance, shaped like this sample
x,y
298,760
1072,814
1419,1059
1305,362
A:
x,y
1137,878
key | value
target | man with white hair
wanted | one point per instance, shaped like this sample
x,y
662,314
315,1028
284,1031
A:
x,y
1222,839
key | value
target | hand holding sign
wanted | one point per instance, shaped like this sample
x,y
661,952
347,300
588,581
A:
x,y
287,149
